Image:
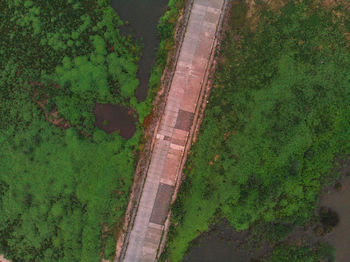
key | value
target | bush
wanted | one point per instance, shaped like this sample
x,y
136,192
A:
x,y
278,116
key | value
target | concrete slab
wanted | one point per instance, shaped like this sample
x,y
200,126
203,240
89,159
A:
x,y
161,205
170,171
184,120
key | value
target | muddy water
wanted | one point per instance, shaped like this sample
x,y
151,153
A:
x,y
143,17
115,118
222,244
340,202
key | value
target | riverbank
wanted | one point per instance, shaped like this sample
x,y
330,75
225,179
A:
x,y
223,243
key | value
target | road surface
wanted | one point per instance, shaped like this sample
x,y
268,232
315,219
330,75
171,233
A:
x,y
173,131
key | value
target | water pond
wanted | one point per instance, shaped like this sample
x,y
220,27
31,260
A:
x,y
223,244
112,118
142,17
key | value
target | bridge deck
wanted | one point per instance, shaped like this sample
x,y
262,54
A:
x,y
173,130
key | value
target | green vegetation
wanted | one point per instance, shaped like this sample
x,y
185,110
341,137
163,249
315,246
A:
x,y
67,55
277,119
302,253
64,184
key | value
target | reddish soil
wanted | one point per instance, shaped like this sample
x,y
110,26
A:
x,y
2,259
53,115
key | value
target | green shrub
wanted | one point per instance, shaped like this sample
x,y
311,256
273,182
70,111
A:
x,y
277,117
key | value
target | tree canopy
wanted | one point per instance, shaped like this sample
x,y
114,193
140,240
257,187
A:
x,y
277,119
64,184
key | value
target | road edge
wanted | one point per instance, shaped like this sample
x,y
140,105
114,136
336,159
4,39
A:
x,y
150,134
199,114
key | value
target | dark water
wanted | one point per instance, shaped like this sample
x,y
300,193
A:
x,y
143,16
226,245
340,203
112,118
222,244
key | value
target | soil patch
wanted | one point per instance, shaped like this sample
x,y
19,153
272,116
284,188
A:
x,y
115,118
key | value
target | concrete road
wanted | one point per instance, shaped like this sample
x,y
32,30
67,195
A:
x,y
173,131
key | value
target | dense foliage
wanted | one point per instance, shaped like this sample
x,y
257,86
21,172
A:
x,y
63,183
278,116
66,49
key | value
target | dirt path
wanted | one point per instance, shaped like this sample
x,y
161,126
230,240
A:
x,y
174,132
2,259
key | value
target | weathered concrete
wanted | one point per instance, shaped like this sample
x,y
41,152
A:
x,y
173,131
